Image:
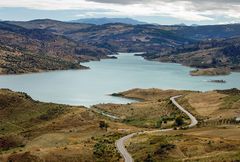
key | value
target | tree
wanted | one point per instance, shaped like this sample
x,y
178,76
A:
x,y
103,125
149,158
159,123
179,121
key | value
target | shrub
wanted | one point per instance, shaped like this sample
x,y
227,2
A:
x,y
179,121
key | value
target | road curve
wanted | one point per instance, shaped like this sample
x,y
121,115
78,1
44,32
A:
x,y
194,121
120,144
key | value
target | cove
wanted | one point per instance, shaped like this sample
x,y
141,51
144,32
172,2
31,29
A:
x,y
89,87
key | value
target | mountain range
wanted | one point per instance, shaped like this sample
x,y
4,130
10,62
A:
x,y
44,44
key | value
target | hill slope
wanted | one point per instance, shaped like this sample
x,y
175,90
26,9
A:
x,y
223,53
34,131
30,50
128,38
206,31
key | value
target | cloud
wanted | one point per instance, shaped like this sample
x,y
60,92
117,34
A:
x,y
185,10
202,7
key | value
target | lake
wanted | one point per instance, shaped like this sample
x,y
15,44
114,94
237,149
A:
x,y
89,87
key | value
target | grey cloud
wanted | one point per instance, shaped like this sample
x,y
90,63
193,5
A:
x,y
150,1
201,5
120,1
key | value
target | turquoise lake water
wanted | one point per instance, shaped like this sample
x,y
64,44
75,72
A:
x,y
88,87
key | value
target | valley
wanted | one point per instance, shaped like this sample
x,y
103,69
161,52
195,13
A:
x,y
68,44
82,61
119,81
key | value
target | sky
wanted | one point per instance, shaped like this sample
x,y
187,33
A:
x,y
152,11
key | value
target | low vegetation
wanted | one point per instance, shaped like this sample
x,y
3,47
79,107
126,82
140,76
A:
x,y
214,107
16,62
185,146
154,110
35,131
104,149
215,139
210,72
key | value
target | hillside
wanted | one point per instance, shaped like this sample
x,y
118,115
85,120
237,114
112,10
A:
x,y
205,32
216,137
116,37
34,131
129,38
57,27
219,56
153,111
16,62
31,50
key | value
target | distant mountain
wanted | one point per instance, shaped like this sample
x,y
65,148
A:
x,y
181,24
101,21
193,25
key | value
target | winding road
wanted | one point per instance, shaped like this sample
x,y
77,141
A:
x,y
120,144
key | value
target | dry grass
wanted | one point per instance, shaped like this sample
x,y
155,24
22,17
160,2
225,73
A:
x,y
210,72
206,144
213,105
35,131
207,103
151,94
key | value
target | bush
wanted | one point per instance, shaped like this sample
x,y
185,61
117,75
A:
x,y
179,121
149,158
11,141
103,124
163,148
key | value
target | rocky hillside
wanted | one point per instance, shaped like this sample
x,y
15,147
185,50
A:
x,y
31,50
